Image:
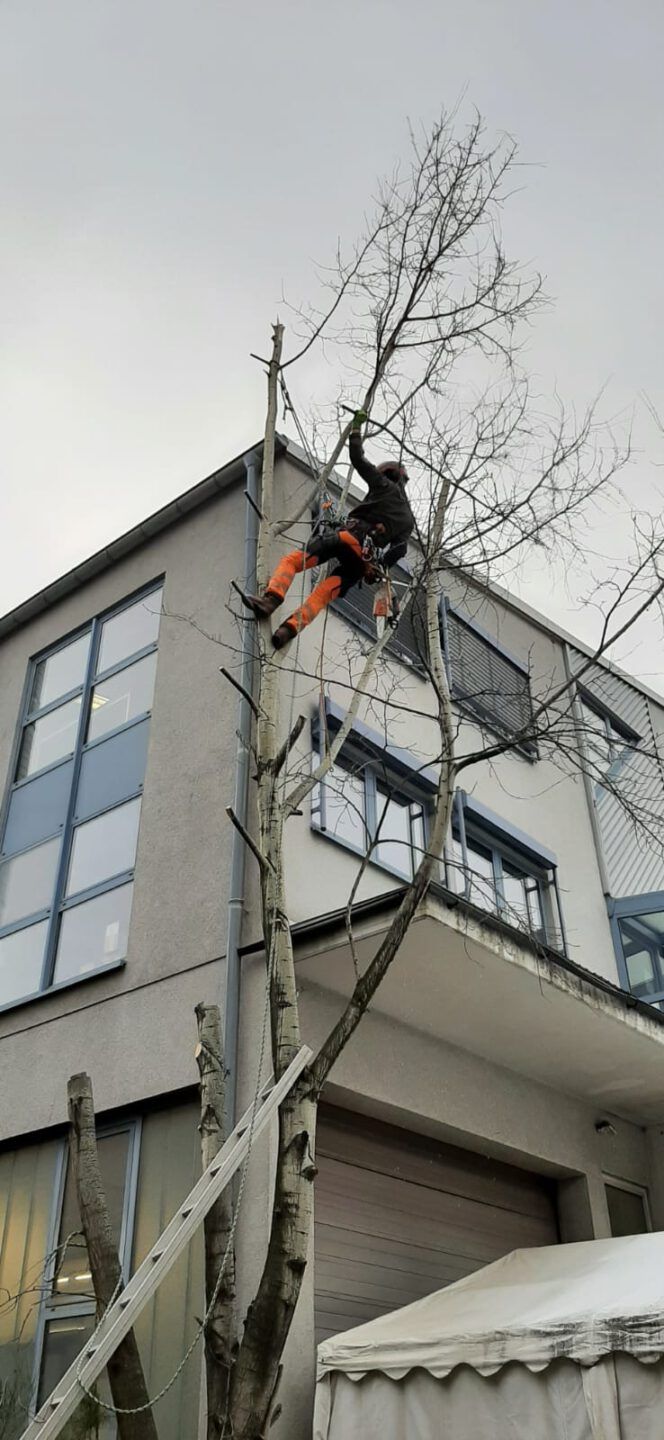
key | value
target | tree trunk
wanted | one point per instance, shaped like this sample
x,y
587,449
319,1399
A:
x,y
125,1372
219,1331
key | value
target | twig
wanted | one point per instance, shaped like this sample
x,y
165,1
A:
x,y
262,859
243,692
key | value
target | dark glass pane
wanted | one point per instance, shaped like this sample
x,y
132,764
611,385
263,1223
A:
x,y
640,972
64,1339
94,933
60,673
38,809
627,1211
131,630
642,939
112,771
48,739
117,700
72,1279
21,958
104,847
26,882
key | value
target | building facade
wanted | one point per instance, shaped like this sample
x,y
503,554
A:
x,y
505,1088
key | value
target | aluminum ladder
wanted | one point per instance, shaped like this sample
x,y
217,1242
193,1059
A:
x,y
121,1315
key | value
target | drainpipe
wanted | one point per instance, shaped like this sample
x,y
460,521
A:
x,y
240,804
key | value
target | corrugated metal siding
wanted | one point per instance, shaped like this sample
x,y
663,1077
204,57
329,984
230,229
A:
x,y
398,1216
634,859
27,1178
169,1166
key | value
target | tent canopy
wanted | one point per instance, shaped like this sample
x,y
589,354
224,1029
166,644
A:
x,y
580,1301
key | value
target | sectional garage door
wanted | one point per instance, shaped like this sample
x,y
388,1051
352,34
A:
x,y
398,1216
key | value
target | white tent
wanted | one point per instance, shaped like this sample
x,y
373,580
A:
x,y
559,1343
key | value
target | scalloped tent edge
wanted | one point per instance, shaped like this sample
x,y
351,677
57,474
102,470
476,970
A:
x,y
598,1304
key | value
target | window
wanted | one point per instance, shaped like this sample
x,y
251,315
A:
x,y
363,809
71,821
607,742
409,637
503,873
628,1208
489,684
638,934
68,1313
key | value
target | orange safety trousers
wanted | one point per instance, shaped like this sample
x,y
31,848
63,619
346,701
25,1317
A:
x,y
347,550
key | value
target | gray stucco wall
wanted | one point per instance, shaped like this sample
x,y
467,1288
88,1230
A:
x,y
134,1030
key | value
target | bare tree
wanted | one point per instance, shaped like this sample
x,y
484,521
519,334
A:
x,y
427,319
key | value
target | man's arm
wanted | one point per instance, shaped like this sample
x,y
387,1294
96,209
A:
x,y
394,553
358,460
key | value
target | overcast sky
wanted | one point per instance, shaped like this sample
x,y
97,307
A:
x,y
169,167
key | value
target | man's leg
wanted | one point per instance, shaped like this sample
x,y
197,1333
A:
x,y
281,579
349,570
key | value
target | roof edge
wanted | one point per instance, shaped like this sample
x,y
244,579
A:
x,y
140,534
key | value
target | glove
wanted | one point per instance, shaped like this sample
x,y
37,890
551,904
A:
x,y
359,419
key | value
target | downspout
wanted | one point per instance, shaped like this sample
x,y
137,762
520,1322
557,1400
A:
x,y
240,803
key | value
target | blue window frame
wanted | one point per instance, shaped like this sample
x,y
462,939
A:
x,y
500,869
637,924
378,799
71,814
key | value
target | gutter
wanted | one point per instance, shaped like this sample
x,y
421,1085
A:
x,y
236,896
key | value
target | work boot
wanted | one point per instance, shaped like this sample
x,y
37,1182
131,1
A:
x,y
262,606
283,635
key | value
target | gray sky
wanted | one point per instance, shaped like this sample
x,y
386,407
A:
x,y
167,167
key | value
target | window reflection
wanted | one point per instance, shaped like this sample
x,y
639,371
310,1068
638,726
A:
x,y
123,696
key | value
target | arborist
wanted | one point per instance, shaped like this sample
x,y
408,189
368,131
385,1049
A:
x,y
374,536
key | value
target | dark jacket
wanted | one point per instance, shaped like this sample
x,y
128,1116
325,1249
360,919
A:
x,y
385,505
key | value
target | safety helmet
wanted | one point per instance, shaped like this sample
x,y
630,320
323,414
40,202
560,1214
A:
x,y
394,471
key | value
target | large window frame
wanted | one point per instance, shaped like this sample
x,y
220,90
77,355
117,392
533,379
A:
x,y
477,704
508,855
618,739
92,679
380,788
54,1307
513,857
635,909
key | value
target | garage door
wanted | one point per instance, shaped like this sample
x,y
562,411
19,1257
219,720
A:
x,y
398,1216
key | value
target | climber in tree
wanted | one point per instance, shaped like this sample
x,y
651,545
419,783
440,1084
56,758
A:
x,y
382,522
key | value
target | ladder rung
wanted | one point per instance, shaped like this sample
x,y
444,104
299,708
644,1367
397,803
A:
x,y
187,1211
156,1255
